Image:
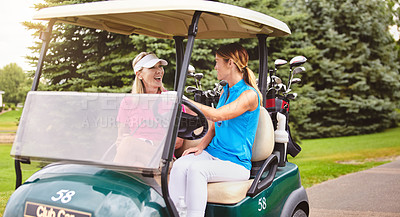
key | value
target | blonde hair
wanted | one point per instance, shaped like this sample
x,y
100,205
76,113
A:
x,y
138,86
240,57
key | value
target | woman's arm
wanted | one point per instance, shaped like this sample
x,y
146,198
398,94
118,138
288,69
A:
x,y
123,129
178,143
247,101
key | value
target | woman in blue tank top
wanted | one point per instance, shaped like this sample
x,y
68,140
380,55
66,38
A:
x,y
224,153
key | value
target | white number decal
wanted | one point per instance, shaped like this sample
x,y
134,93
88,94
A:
x,y
64,195
262,204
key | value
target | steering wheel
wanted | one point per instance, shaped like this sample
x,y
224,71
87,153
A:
x,y
189,123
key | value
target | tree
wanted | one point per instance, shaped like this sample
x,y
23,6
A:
x,y
356,72
394,8
14,82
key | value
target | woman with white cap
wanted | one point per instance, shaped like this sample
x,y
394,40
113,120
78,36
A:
x,y
149,74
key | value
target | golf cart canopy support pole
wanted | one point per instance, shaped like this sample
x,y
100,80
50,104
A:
x,y
180,49
263,66
45,36
173,129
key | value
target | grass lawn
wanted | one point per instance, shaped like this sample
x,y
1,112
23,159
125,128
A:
x,y
323,159
7,174
9,120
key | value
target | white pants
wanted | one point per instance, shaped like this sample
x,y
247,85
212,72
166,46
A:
x,y
190,175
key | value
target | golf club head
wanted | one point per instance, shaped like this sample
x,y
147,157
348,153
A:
x,y
279,62
297,61
211,93
298,70
198,76
276,79
191,69
295,81
291,96
281,87
190,89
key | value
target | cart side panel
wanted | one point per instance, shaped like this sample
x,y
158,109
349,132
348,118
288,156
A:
x,y
90,191
268,203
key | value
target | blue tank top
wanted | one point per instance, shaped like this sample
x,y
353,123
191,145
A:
x,y
234,138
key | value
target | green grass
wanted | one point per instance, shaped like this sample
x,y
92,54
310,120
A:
x,y
9,120
323,159
7,174
3,200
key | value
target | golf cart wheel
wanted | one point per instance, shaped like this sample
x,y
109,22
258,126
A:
x,y
299,213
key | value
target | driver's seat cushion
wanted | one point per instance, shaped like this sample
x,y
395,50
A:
x,y
227,192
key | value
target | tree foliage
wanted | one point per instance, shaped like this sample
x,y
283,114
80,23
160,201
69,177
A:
x,y
355,73
14,82
350,87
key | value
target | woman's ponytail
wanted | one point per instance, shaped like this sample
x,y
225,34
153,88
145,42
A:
x,y
240,57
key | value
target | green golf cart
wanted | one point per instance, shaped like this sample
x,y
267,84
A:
x,y
75,133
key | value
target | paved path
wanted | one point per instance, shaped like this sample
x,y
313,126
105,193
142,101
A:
x,y
373,193
6,137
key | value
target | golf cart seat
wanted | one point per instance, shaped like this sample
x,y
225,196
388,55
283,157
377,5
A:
x,y
233,192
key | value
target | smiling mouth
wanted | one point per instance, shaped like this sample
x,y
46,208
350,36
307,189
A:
x,y
157,79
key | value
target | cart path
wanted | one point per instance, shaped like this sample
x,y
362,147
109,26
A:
x,y
7,137
374,192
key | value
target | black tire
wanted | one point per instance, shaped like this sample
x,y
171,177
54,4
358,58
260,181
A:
x,y
299,213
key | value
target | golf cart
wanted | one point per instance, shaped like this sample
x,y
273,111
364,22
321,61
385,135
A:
x,y
75,133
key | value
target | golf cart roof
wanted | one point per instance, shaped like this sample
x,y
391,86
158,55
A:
x,y
166,19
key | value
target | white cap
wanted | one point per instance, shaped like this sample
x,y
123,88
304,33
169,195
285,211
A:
x,y
148,61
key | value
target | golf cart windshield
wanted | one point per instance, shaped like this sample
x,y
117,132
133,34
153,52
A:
x,y
117,130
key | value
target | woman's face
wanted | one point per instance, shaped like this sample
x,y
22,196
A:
x,y
152,77
222,67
